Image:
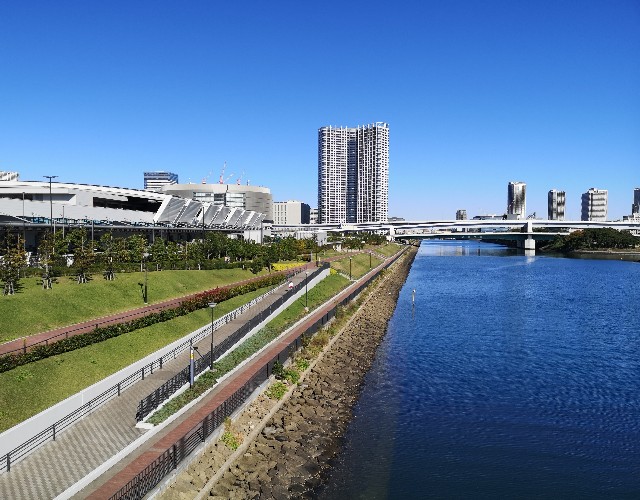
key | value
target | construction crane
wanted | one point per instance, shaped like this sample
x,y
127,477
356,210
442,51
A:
x,y
239,180
227,179
221,180
205,179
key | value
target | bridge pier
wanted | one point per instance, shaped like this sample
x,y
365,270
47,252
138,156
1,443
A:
x,y
528,244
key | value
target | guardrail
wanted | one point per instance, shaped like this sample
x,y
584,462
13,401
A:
x,y
168,461
171,386
52,431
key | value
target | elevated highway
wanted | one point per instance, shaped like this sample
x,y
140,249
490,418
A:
x,y
525,232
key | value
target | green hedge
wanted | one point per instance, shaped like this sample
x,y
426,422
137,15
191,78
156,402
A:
x,y
100,334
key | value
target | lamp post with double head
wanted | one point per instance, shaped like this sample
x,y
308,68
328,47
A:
x,y
212,305
50,177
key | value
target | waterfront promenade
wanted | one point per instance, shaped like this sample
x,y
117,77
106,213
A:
x,y
93,441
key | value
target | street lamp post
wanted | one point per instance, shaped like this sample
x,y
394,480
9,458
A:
x,y
306,291
212,305
349,268
145,255
50,177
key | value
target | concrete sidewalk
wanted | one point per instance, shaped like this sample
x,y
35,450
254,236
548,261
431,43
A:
x,y
83,447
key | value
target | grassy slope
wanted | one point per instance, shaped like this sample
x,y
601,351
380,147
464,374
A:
x,y
359,264
34,387
389,249
35,310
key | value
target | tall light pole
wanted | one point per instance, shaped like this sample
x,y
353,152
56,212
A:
x,y
212,305
145,255
306,291
50,177
349,268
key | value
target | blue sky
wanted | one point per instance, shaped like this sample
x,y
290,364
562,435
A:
x,y
476,94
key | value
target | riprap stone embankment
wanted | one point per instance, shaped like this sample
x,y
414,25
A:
x,y
291,456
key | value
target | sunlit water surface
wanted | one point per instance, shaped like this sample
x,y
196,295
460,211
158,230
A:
x,y
511,377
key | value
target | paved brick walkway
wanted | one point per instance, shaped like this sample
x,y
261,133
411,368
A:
x,y
77,451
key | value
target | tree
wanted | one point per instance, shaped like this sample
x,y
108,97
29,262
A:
x,y
12,262
158,251
137,246
107,247
83,255
173,254
51,250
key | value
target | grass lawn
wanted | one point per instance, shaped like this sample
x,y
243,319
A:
x,y
33,310
36,386
359,264
389,249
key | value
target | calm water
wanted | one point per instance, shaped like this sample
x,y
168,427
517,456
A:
x,y
513,377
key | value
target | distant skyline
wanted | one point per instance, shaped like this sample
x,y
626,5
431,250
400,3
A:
x,y
476,94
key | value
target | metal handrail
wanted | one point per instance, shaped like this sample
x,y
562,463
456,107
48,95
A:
x,y
154,399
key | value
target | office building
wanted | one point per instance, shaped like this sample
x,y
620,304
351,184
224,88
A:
x,y
290,212
353,174
461,215
154,181
517,200
556,205
635,208
594,205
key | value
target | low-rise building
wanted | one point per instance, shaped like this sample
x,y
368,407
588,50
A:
x,y
291,212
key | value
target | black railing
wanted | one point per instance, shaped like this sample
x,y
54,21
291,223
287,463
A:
x,y
152,401
151,476
52,431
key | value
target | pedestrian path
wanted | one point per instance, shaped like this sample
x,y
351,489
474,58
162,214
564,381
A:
x,y
76,452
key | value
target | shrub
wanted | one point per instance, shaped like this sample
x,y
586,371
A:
x,y
230,438
277,390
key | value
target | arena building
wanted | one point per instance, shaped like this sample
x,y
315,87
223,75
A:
x,y
37,205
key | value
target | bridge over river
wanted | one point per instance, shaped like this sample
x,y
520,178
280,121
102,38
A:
x,y
525,232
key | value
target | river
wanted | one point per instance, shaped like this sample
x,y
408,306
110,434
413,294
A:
x,y
510,377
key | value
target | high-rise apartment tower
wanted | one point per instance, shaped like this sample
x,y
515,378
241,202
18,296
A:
x,y
556,205
517,199
353,174
635,208
594,205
